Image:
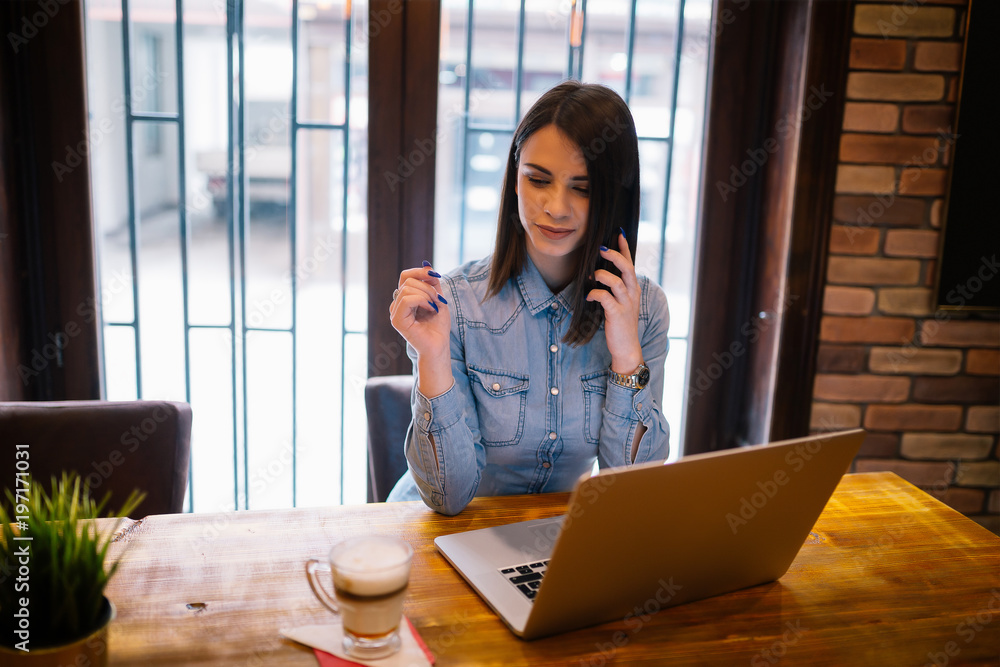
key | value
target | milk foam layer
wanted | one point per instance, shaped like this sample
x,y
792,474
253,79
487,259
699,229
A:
x,y
371,566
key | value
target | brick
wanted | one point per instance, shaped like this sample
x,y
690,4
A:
x,y
937,56
979,473
880,445
930,275
967,501
936,209
915,301
946,446
983,419
923,181
911,243
854,179
848,300
834,417
960,333
982,362
883,54
861,388
904,20
994,503
881,149
918,473
872,271
895,87
883,210
840,359
865,117
910,360
928,119
959,389
854,240
892,330
913,417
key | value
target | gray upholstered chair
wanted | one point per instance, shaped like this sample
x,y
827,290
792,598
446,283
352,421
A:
x,y
387,401
114,446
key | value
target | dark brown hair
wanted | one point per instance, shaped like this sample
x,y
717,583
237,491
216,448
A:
x,y
599,122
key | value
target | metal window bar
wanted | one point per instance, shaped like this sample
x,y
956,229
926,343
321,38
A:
x,y
237,227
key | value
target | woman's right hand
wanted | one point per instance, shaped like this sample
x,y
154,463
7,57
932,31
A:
x,y
421,315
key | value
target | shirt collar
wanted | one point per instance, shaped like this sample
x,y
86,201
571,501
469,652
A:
x,y
537,295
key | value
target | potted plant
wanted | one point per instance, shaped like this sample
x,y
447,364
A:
x,y
53,574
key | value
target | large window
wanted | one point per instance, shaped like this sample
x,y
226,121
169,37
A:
x,y
229,200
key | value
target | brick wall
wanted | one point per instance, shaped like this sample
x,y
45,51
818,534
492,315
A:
x,y
923,383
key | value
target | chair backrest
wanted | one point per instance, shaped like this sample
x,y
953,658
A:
x,y
114,446
387,401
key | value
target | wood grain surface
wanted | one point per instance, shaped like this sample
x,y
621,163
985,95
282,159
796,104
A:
x,y
889,576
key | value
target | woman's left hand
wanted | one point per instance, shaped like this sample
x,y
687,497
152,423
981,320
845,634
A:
x,y
621,308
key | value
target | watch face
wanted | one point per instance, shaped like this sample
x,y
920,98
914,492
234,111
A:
x,y
643,376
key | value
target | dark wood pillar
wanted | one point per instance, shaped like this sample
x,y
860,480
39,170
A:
x,y
49,330
402,139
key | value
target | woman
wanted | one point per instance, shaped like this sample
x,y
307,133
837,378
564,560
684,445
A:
x,y
548,354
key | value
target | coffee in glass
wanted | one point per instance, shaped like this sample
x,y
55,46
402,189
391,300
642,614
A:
x,y
370,577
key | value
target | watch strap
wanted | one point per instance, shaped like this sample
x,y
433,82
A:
x,y
637,379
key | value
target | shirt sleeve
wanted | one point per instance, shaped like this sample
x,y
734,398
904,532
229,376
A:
x,y
446,426
625,408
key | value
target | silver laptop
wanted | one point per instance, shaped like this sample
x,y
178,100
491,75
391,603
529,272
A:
x,y
638,539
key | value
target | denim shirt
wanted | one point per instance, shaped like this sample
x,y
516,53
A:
x,y
528,413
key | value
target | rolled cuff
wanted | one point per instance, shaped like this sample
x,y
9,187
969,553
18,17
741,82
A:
x,y
630,404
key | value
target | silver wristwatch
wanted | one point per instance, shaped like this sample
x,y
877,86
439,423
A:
x,y
637,379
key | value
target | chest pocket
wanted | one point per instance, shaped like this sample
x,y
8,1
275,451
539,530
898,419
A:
x,y
501,397
595,389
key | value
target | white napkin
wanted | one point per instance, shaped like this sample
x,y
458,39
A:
x,y
329,638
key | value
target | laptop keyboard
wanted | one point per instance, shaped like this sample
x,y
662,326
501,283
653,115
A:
x,y
526,578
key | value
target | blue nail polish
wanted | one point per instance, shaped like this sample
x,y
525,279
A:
x,y
434,306
604,248
442,300
426,263
622,231
434,274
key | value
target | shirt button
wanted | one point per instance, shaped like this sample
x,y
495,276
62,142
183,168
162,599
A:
x,y
553,348
639,406
427,416
553,436
554,390
496,386
546,465
554,306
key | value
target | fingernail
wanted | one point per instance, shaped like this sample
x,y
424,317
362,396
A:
x,y
604,248
434,306
622,231
442,300
426,263
434,274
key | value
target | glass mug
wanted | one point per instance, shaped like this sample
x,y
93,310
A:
x,y
370,577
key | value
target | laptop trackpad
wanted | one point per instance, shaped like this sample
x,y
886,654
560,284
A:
x,y
544,533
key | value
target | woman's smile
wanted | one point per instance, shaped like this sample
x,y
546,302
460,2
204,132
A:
x,y
554,233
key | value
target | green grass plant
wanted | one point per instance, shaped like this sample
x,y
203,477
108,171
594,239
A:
x,y
66,571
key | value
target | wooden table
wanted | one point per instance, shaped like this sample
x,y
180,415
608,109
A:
x,y
889,576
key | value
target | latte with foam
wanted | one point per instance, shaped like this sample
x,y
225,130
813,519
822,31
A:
x,y
370,577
